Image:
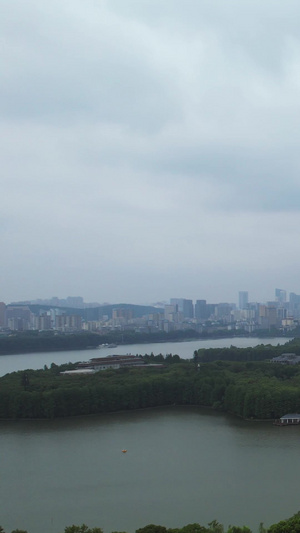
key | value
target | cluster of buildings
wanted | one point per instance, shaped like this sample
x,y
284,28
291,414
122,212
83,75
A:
x,y
179,314
113,363
281,313
22,318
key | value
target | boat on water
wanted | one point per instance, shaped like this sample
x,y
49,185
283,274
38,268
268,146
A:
x,y
106,346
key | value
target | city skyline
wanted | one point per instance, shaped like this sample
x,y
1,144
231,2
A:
x,y
233,298
178,315
149,149
242,299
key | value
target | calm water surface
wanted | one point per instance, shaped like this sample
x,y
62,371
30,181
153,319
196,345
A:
x,y
12,363
183,465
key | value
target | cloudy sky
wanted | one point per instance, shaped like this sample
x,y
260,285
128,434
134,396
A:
x,y
149,149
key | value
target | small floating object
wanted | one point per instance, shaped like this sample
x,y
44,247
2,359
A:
x,y
124,451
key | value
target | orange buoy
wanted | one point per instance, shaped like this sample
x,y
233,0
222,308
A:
x,y
124,451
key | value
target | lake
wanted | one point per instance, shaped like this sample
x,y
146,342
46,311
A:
x,y
12,363
183,465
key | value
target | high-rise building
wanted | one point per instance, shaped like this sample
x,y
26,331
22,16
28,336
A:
x,y
280,295
43,322
18,317
172,313
223,311
294,305
2,314
184,306
243,299
267,316
211,309
201,311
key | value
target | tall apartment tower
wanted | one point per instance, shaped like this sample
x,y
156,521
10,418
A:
x,y
243,299
201,310
280,295
185,306
2,314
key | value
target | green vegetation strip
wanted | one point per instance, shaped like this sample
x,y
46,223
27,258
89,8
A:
x,y
291,525
50,341
251,389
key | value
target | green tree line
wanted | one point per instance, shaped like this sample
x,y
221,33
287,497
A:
x,y
254,389
49,341
34,341
256,353
290,525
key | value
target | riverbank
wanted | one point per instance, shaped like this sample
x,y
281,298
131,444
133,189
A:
x,y
32,341
185,350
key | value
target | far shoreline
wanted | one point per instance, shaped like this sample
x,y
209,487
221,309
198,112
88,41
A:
x,y
52,349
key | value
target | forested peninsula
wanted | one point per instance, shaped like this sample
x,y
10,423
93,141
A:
x,y
239,381
290,525
50,341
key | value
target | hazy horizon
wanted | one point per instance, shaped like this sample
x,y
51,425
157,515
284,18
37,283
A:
x,y
149,149
159,303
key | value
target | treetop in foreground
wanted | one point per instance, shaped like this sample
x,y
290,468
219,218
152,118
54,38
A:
x,y
290,525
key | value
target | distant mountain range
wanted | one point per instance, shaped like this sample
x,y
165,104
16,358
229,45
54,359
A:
x,y
97,313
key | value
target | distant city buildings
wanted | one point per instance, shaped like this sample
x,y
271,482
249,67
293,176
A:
x,y
280,296
2,314
243,299
179,314
202,311
75,302
294,305
185,307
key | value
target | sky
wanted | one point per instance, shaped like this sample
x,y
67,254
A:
x,y
149,149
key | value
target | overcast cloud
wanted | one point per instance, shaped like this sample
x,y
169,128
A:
x,y
149,149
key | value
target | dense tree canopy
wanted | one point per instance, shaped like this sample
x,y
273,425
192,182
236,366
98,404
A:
x,y
261,352
253,389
